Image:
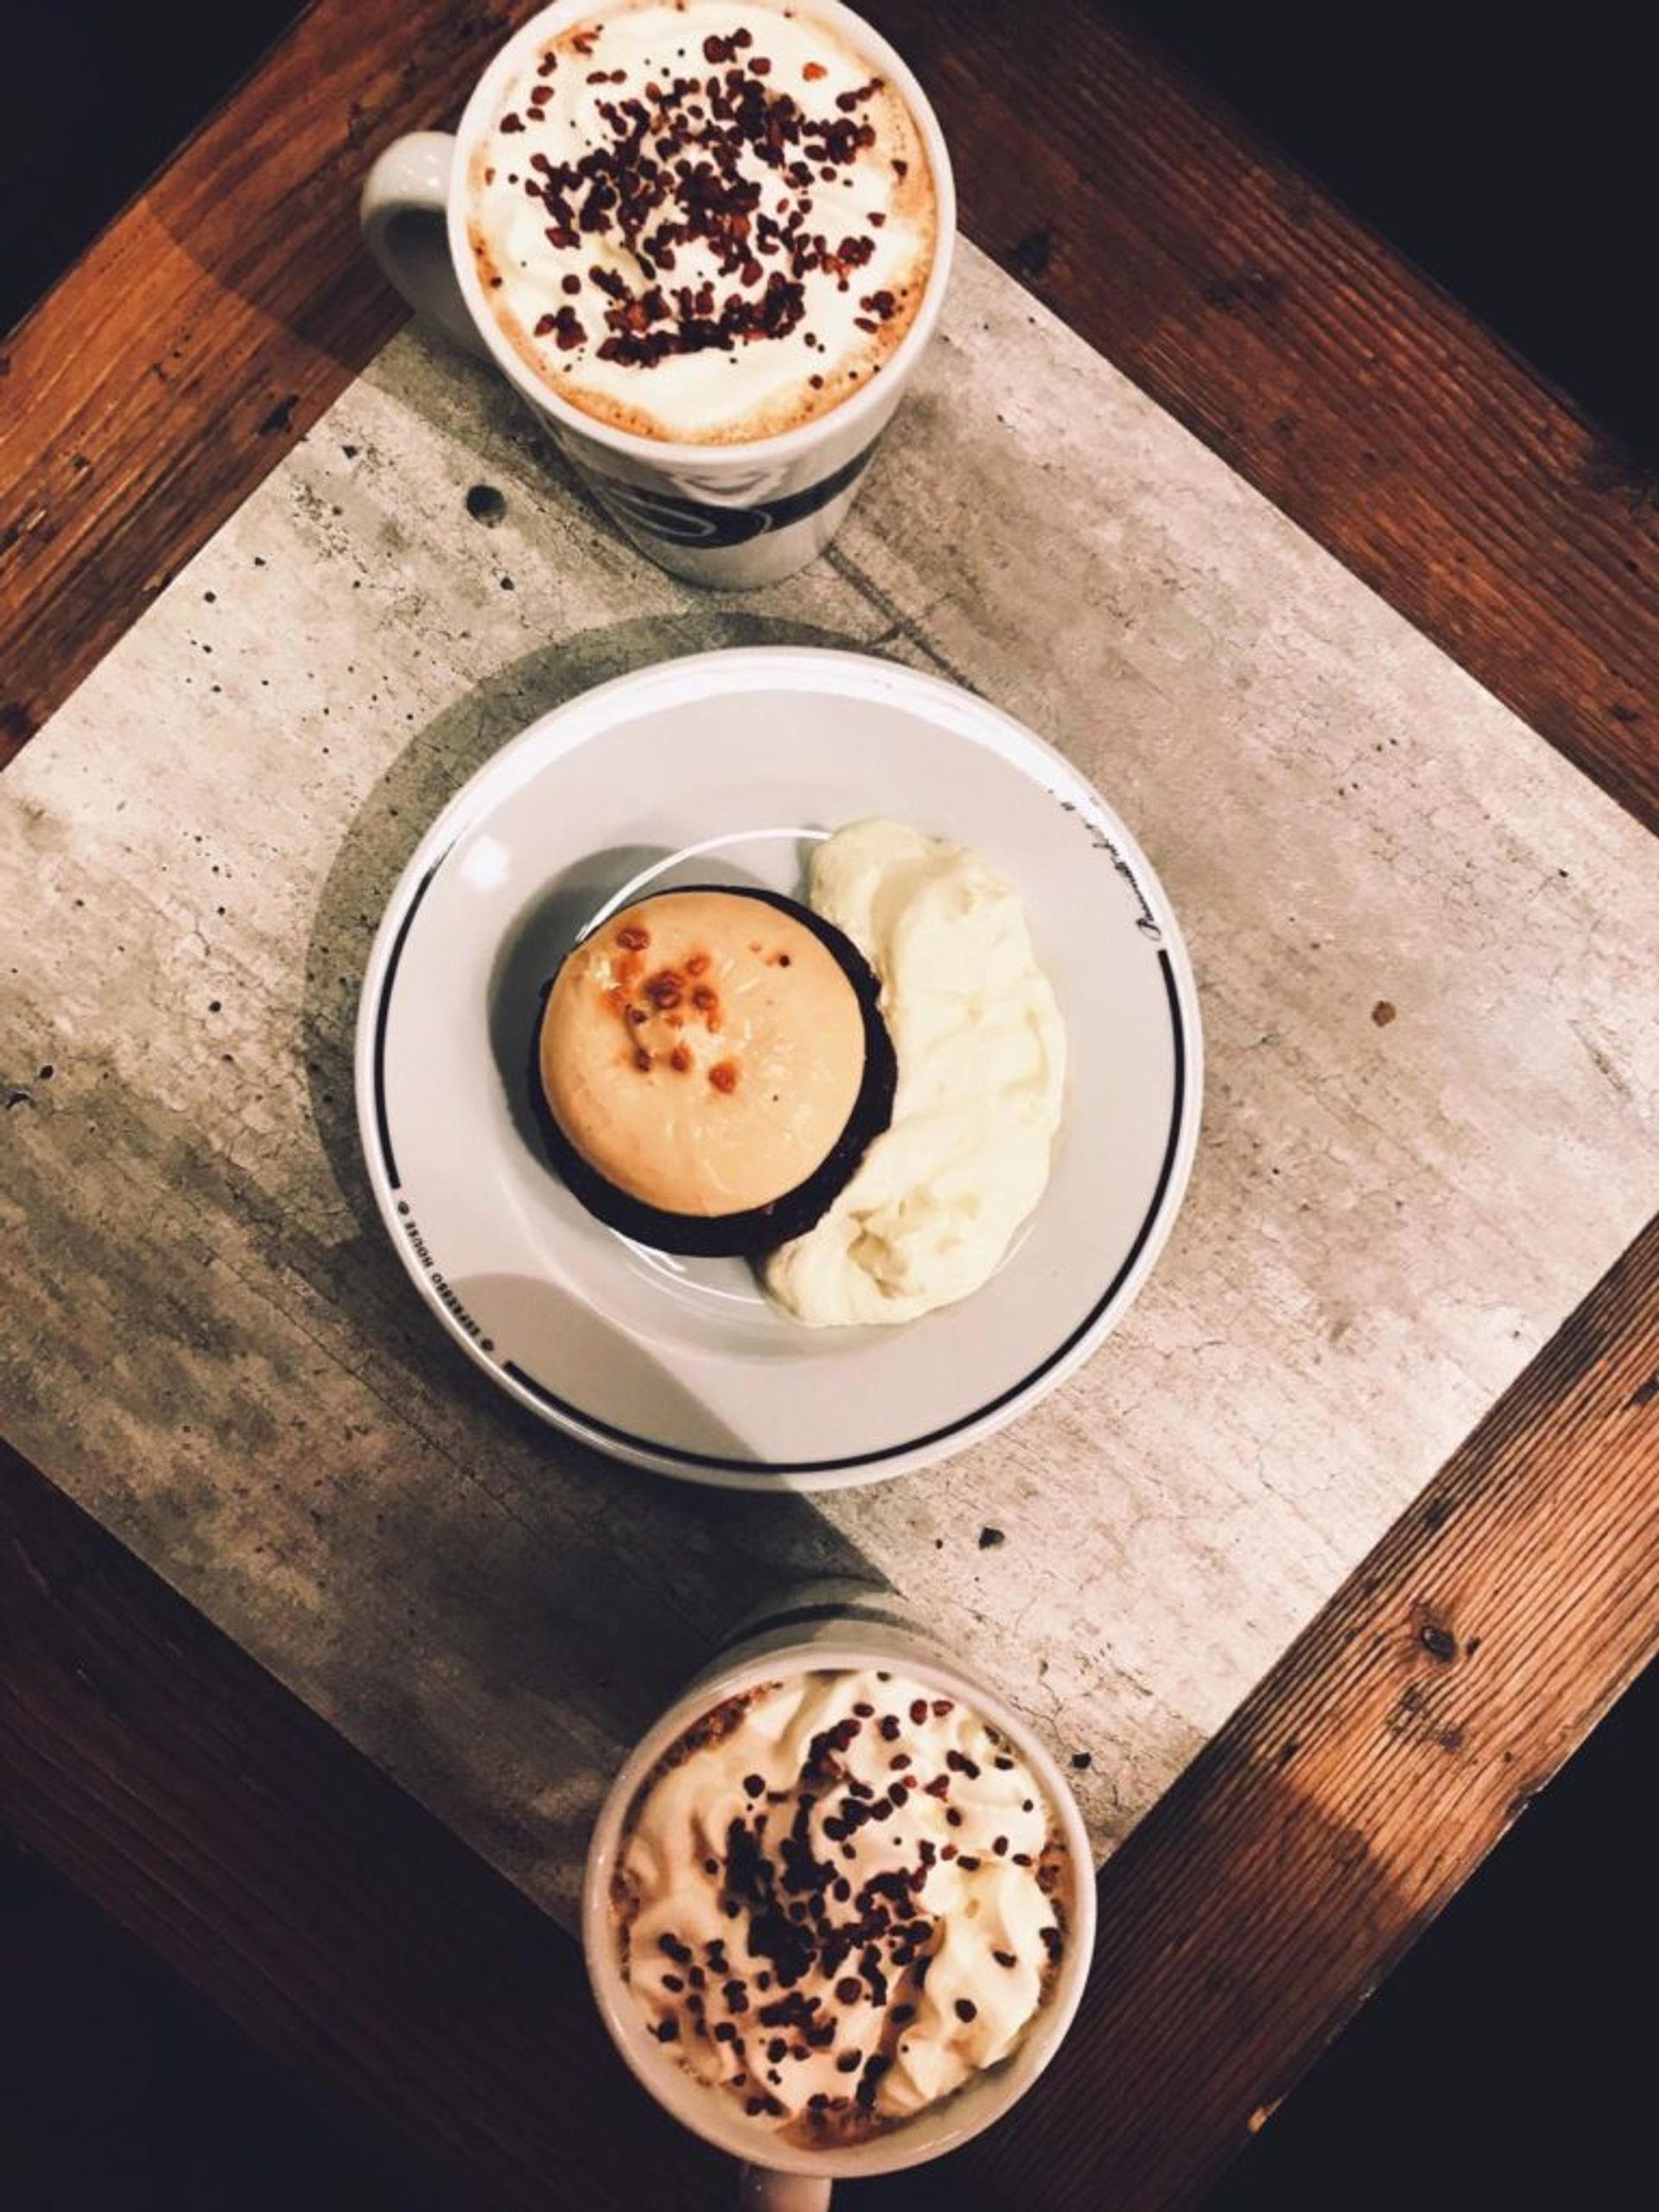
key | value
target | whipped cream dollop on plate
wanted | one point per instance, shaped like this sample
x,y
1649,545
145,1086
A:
x,y
840,1897
707,224
729,768
981,1047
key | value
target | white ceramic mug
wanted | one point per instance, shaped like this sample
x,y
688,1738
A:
x,y
732,516
829,1627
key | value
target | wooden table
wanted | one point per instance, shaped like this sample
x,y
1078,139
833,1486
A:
x,y
1441,1689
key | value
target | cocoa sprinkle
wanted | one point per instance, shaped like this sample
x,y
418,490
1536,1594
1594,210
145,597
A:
x,y
864,2093
679,171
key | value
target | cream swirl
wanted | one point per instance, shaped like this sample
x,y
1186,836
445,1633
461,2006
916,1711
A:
x,y
705,223
840,1897
940,1194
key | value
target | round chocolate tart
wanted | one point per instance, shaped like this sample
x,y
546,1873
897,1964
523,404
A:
x,y
710,1067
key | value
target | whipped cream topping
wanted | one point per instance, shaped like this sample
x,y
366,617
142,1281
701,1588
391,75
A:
x,y
839,1898
982,1074
705,223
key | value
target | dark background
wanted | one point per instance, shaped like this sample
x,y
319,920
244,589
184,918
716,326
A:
x,y
1511,157
1509,151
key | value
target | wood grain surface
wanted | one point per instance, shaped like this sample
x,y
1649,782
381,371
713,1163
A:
x,y
274,1869
210,325
1349,1797
226,1824
1382,1227
1356,394
204,331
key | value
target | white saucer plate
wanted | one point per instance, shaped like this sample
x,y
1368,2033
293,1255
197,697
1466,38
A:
x,y
724,768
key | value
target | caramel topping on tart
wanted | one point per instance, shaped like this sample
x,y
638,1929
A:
x,y
702,1052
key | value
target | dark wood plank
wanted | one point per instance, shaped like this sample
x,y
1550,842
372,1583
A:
x,y
1362,1782
1368,1774
204,331
222,1821
174,366
135,83
1345,386
1293,1863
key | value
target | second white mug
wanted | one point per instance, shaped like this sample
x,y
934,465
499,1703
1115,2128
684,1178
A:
x,y
831,1629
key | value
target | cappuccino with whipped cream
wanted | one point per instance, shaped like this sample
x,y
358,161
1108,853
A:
x,y
838,1899
705,223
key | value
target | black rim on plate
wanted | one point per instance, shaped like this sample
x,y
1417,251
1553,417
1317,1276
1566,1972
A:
x,y
589,1425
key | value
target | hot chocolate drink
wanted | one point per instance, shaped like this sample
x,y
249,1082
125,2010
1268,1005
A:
x,y
839,1898
707,222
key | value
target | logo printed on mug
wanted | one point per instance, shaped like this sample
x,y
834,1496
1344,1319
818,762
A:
x,y
694,522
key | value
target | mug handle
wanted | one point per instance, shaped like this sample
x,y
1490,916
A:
x,y
760,2189
404,215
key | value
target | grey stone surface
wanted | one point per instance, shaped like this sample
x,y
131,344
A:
x,y
209,1342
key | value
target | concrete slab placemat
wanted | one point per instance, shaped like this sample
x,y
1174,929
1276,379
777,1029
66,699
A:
x,y
1423,944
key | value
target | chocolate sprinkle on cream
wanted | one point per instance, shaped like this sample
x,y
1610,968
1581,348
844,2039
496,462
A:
x,y
765,1841
704,198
